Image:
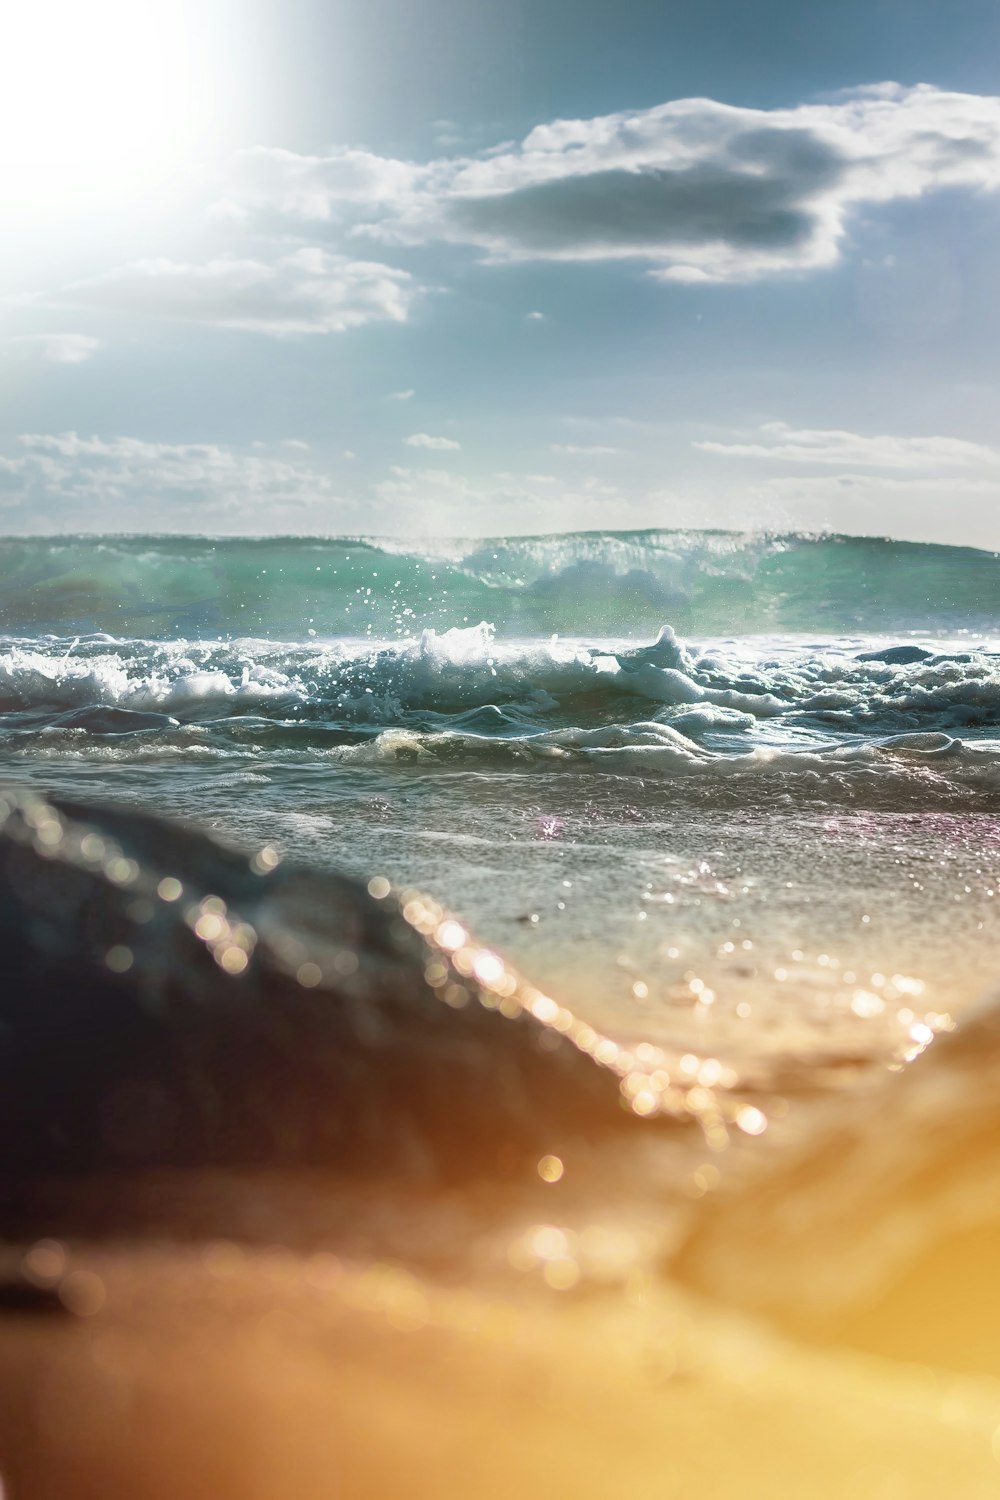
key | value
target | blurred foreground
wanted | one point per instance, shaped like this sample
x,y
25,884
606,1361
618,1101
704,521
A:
x,y
309,1193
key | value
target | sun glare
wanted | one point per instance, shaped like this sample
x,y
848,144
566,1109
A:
x,y
96,95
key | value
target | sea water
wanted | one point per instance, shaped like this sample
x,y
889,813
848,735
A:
x,y
736,794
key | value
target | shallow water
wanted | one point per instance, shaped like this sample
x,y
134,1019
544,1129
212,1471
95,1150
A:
x,y
742,839
775,850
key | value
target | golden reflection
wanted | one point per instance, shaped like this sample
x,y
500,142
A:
x,y
45,1262
233,959
450,935
119,959
561,1274
209,927
83,1293
652,1082
751,1120
92,848
265,860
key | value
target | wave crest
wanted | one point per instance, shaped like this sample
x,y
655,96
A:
x,y
617,583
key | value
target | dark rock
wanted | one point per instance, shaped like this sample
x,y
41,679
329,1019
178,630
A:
x,y
896,656
168,1001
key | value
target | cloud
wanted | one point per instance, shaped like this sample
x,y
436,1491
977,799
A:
x,y
535,317
439,444
403,395
827,485
308,291
921,507
314,187
589,450
95,483
832,446
699,190
58,348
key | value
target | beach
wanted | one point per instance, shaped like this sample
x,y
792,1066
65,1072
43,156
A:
x,y
254,1373
751,874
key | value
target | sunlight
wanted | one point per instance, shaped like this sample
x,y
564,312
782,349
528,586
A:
x,y
95,96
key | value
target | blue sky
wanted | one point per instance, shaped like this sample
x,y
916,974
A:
x,y
435,267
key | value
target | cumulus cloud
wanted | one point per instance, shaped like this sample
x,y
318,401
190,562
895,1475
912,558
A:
x,y
697,189
58,348
308,291
94,483
776,440
425,440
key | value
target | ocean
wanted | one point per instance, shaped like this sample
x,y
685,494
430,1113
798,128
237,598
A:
x,y
635,1088
735,795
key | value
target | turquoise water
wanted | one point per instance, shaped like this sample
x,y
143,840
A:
x,y
607,583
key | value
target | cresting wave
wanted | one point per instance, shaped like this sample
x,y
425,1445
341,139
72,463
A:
x,y
611,583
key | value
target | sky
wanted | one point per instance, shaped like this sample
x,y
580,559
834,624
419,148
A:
x,y
432,267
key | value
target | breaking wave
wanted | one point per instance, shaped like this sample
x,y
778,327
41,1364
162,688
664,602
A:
x,y
611,583
775,710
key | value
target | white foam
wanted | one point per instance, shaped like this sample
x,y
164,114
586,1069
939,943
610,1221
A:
x,y
775,685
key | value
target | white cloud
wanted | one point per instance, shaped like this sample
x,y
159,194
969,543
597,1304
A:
x,y
58,348
308,291
777,440
700,190
403,395
439,444
95,483
588,450
315,187
535,317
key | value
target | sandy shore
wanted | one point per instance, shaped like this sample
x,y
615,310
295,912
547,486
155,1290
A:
x,y
262,1375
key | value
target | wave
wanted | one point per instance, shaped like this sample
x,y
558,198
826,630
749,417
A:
x,y
724,723
618,583
509,687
